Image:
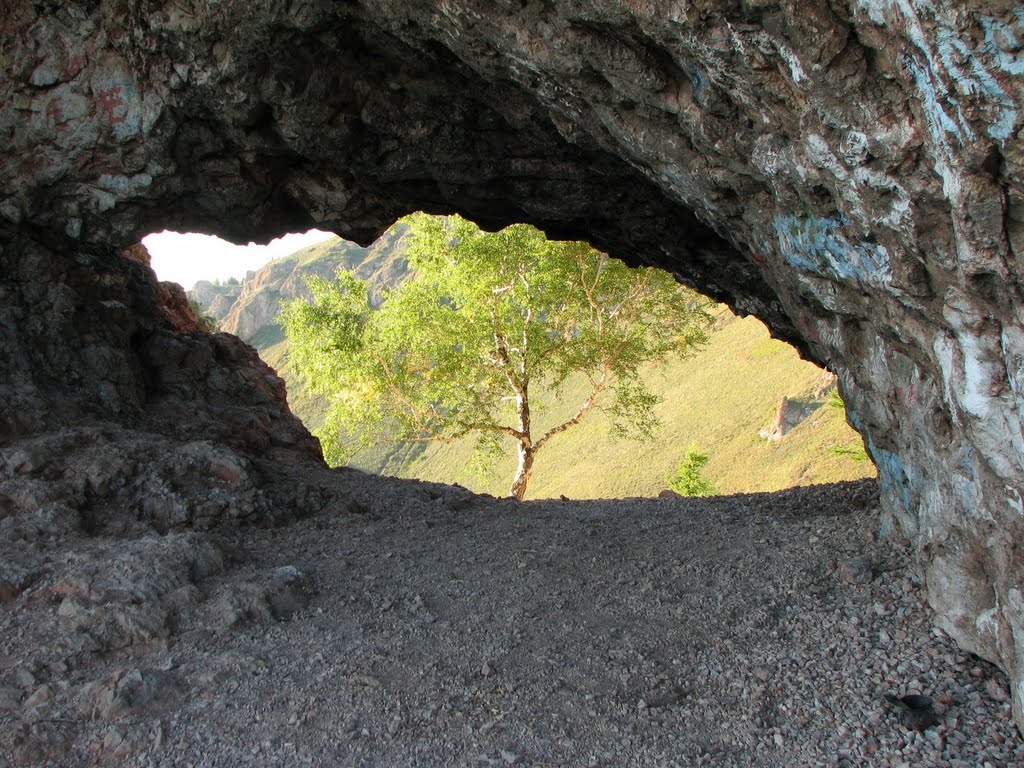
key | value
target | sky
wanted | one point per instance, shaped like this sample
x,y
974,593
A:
x,y
187,258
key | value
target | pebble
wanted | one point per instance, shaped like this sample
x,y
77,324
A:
x,y
856,570
10,698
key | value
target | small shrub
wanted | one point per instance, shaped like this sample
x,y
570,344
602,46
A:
x,y
856,454
688,479
204,321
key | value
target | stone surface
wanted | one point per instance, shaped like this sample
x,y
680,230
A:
x,y
609,632
850,172
856,570
273,596
131,692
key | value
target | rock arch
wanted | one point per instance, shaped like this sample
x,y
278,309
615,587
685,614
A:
x,y
848,172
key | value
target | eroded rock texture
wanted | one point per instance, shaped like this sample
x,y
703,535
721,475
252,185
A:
x,y
847,171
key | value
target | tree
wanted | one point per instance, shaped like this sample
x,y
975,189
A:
x,y
488,317
689,479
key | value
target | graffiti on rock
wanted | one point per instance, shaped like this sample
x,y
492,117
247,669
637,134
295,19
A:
x,y
110,100
116,99
891,474
698,86
948,70
817,245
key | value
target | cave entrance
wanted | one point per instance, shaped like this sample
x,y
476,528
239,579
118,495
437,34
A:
x,y
742,414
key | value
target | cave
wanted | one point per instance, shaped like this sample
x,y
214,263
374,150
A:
x,y
847,172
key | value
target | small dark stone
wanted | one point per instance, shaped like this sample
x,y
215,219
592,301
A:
x,y
918,712
856,570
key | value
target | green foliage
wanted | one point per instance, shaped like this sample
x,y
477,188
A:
x,y
456,351
855,453
688,479
233,281
204,320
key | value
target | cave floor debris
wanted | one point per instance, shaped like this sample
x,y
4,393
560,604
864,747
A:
x,y
414,624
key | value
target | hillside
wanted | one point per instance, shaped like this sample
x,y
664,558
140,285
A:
x,y
721,400
252,307
216,298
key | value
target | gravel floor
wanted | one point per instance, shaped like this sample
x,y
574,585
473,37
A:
x,y
418,625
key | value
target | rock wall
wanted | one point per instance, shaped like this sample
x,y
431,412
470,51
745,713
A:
x,y
88,336
847,171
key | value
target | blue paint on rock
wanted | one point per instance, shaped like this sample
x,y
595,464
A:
x,y
891,475
971,77
698,86
999,36
979,81
818,245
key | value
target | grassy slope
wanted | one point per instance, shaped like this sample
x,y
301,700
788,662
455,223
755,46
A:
x,y
719,399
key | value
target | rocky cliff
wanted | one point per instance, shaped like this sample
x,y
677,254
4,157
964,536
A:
x,y
849,172
216,300
252,311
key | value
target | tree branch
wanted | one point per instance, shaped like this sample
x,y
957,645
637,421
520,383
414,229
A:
x,y
587,405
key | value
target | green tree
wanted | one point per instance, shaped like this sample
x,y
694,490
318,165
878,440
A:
x,y
689,479
457,350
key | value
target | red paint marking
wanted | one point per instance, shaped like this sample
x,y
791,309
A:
x,y
907,394
73,68
55,112
757,257
110,99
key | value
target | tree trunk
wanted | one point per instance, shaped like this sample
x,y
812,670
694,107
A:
x,y
524,448
523,471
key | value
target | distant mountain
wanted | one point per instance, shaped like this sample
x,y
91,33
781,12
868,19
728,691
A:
x,y
720,400
216,298
249,310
